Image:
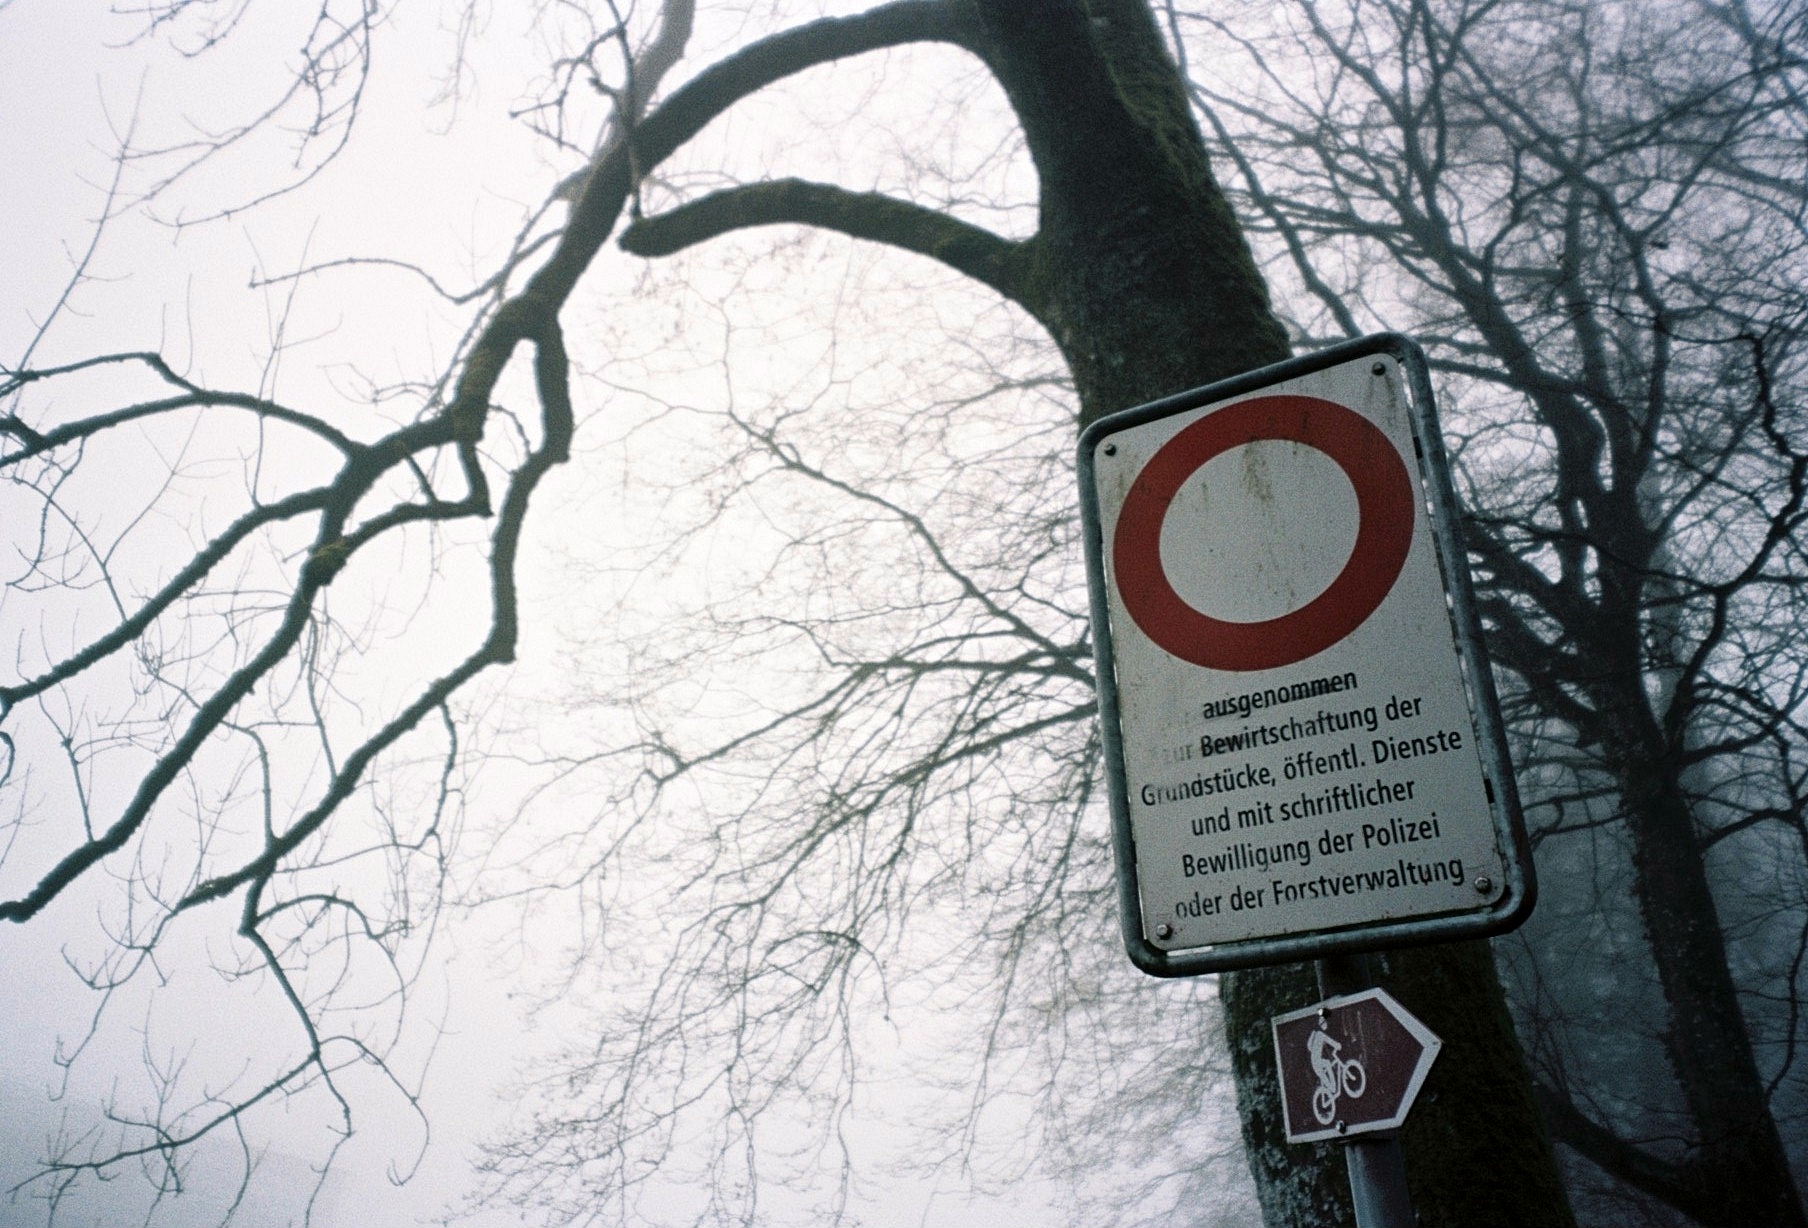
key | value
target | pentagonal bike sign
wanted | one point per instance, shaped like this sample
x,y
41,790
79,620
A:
x,y
1350,1065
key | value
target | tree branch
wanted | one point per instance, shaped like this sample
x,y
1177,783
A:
x,y
976,252
1631,1164
716,89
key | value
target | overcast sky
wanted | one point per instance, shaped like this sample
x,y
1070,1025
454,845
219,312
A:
x,y
447,187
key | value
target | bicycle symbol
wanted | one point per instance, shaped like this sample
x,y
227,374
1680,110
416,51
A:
x,y
1337,1076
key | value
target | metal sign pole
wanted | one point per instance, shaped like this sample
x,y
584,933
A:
x,y
1376,1163
1297,780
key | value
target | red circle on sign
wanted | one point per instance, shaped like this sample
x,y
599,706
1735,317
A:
x,y
1384,509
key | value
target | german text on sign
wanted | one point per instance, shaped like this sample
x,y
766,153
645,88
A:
x,y
1299,743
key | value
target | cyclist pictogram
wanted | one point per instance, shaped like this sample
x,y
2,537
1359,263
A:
x,y
1350,1065
1337,1076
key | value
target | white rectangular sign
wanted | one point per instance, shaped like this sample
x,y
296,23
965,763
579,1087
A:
x,y
1292,703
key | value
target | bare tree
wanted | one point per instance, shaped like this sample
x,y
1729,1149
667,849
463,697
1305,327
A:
x,y
945,705
185,749
1593,215
927,745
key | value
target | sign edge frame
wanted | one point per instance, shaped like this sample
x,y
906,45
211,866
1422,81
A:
x,y
1519,893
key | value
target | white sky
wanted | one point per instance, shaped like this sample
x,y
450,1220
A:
x,y
60,91
406,191
448,188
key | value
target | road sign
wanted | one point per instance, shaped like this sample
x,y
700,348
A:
x,y
1350,1065
1303,748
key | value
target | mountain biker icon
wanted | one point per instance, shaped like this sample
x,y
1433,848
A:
x,y
1349,1065
1337,1076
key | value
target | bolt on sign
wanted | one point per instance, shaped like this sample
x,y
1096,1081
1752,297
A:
x,y
1302,743
1350,1065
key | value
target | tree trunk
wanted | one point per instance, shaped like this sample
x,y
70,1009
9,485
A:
x,y
1144,279
1738,1172
1735,1170
1138,269
1141,275
1476,1149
